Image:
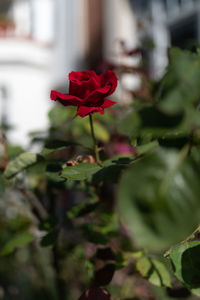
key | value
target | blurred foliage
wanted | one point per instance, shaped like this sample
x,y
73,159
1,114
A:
x,y
118,230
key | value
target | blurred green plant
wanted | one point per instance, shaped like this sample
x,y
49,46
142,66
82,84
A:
x,y
76,225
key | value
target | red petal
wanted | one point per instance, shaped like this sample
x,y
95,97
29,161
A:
x,y
85,110
107,103
96,98
108,86
83,83
65,99
109,79
83,76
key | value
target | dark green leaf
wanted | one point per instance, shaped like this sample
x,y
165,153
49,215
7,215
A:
x,y
53,172
119,159
152,117
56,145
2,185
93,235
174,142
82,210
185,258
48,224
108,174
50,239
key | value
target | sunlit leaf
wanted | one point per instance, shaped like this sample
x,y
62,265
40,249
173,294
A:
x,y
100,131
81,171
154,270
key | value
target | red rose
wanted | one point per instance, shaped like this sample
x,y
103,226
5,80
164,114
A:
x,y
88,91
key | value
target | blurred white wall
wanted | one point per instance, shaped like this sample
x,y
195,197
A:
x,y
24,74
21,14
25,68
42,19
49,41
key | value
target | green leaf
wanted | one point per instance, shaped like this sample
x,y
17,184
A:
x,y
153,117
18,241
108,174
146,147
81,171
81,210
119,159
20,163
177,142
130,125
180,86
50,239
58,115
93,235
48,224
100,131
154,270
151,121
53,172
185,258
158,198
14,151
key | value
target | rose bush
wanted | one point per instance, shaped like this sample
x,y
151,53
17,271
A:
x,y
88,91
107,223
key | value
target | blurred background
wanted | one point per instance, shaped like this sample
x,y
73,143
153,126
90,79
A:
x,y
41,41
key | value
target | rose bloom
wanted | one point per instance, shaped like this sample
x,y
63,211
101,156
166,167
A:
x,y
88,91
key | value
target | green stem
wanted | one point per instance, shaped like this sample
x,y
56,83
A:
x,y
96,152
